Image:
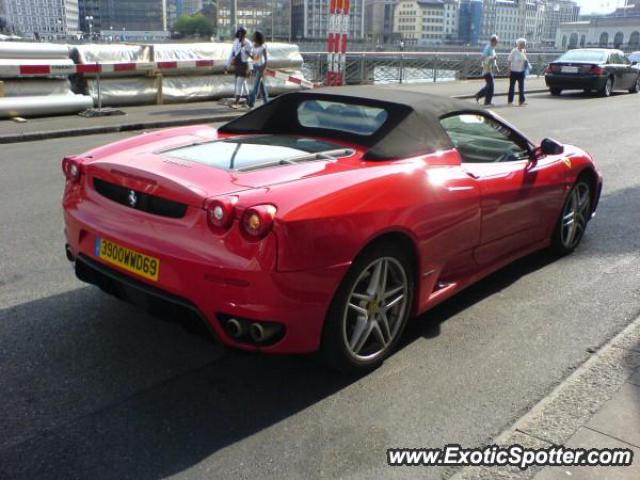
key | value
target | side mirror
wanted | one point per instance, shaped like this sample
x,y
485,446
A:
x,y
549,146
634,63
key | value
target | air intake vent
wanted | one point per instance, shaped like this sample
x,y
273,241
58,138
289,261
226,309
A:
x,y
139,200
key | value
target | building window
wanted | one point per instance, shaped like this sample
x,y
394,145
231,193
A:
x,y
604,39
618,40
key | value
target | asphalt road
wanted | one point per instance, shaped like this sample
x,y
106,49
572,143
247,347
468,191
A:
x,y
93,388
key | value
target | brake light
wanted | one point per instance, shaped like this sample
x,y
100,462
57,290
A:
x,y
552,68
257,221
72,169
221,212
597,70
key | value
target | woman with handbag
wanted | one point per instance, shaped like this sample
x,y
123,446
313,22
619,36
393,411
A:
x,y
240,58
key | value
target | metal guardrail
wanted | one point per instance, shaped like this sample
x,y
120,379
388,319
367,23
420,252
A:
x,y
407,67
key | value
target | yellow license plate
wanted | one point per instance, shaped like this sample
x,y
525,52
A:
x,y
132,261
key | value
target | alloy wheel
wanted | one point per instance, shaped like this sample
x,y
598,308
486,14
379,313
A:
x,y
575,216
375,309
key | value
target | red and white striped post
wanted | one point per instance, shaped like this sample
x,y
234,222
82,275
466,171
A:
x,y
337,33
344,34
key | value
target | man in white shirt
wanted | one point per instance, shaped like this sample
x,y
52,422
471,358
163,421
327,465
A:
x,y
518,65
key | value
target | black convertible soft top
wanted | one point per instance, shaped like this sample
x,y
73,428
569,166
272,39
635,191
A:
x,y
412,126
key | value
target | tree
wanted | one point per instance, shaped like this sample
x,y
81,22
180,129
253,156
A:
x,y
194,25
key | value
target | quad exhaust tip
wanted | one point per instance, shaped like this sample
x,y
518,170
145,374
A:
x,y
253,332
260,333
236,328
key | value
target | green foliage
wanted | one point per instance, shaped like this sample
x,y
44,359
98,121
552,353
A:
x,y
194,25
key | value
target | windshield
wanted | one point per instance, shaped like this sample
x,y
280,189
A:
x,y
595,56
245,152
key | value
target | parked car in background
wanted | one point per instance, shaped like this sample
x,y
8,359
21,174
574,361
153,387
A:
x,y
634,57
593,69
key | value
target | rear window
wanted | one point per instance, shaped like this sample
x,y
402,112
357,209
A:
x,y
345,117
584,56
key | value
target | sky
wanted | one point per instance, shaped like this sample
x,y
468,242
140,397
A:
x,y
601,6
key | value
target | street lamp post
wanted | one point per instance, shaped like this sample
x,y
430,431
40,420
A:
x,y
89,18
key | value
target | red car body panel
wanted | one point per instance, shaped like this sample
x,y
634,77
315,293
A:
x,y
463,220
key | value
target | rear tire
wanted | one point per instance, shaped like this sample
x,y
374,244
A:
x,y
636,87
573,220
608,88
555,91
370,310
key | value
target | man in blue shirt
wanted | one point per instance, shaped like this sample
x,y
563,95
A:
x,y
488,65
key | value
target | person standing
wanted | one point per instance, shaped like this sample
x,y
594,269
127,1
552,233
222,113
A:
x,y
488,65
518,66
260,58
240,58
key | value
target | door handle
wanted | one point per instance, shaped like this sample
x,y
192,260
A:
x,y
472,175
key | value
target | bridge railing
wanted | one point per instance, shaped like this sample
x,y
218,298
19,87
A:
x,y
407,67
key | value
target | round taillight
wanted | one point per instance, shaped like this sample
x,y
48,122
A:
x,y
257,221
221,212
71,169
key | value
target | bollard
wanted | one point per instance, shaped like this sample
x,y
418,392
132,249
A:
x,y
98,88
159,94
2,92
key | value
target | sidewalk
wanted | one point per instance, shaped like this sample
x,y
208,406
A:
x,y
598,406
172,115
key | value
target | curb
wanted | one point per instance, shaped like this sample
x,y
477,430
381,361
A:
x,y
568,407
46,135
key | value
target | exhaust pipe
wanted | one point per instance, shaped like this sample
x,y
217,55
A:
x,y
235,328
262,332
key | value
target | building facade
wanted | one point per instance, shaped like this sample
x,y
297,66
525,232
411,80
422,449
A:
x,y
423,22
470,22
378,20
89,16
310,19
43,19
188,7
619,30
138,15
513,19
271,17
557,12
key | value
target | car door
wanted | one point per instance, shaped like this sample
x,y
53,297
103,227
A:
x,y
518,193
630,73
619,71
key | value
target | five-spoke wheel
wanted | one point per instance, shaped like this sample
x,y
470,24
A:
x,y
370,309
573,221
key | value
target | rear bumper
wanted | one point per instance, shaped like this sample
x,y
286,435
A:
x,y
214,288
575,82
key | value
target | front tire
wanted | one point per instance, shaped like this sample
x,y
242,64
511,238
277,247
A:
x,y
636,86
573,220
370,310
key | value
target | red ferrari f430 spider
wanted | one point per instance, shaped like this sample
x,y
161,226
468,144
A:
x,y
323,220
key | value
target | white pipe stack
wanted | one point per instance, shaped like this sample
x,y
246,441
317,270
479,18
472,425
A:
x,y
43,95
